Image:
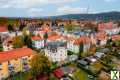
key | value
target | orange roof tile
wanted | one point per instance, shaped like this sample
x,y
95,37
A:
x,y
46,28
83,40
36,38
104,26
16,53
101,35
53,38
3,28
115,37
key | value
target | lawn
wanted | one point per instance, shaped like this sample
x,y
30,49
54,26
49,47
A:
x,y
20,76
80,75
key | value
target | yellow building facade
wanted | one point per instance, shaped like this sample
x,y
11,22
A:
x,y
15,61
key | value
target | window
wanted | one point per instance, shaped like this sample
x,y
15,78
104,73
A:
x,y
16,59
0,66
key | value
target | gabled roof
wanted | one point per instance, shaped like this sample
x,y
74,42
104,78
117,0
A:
x,y
83,39
101,35
3,29
103,26
115,37
16,53
37,38
54,37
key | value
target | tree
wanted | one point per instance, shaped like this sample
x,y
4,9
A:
x,y
18,42
28,41
10,28
117,43
45,37
109,41
81,49
69,27
39,65
1,47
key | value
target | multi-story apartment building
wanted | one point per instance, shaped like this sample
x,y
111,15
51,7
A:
x,y
14,61
37,42
56,51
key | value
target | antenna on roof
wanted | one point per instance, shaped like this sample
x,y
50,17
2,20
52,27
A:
x,y
87,10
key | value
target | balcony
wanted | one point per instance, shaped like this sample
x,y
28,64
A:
x,y
11,69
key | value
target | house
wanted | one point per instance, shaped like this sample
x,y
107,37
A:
x,y
73,44
53,37
101,38
37,42
7,44
56,51
110,28
13,61
115,37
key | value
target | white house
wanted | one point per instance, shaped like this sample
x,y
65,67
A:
x,y
73,46
56,51
101,38
37,42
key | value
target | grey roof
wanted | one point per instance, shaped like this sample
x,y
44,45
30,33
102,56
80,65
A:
x,y
54,45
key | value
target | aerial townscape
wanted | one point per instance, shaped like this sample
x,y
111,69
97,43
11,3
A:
x,y
59,39
58,49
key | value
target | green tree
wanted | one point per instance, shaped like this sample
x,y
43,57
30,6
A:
x,y
109,41
45,37
10,28
28,41
117,43
39,65
69,27
1,47
81,49
18,42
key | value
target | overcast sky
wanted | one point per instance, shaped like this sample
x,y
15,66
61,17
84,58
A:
x,y
38,8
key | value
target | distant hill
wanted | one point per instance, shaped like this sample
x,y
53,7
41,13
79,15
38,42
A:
x,y
114,15
97,16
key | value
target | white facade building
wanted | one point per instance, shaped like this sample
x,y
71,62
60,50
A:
x,y
37,42
72,47
56,52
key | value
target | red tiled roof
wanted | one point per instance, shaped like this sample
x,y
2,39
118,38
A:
x,y
37,38
46,28
103,26
101,35
54,37
58,73
16,53
83,40
3,29
115,37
